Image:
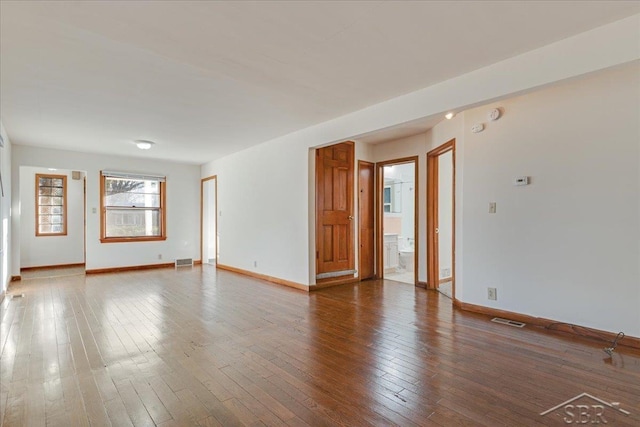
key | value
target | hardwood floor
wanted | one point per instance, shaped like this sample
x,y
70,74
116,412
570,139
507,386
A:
x,y
213,348
51,272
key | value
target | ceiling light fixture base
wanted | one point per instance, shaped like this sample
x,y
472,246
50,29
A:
x,y
143,144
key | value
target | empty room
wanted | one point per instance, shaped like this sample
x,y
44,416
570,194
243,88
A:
x,y
319,213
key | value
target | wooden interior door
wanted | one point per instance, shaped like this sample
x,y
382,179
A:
x,y
433,264
433,246
366,220
334,211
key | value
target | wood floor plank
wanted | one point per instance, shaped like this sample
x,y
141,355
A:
x,y
73,402
133,404
118,413
93,403
35,405
202,347
170,401
54,403
106,387
152,403
197,410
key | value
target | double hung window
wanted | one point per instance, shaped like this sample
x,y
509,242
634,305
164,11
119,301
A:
x,y
132,207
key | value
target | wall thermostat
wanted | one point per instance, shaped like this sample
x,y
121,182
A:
x,y
521,180
494,114
478,127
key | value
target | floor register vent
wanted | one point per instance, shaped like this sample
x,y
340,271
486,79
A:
x,y
508,322
184,262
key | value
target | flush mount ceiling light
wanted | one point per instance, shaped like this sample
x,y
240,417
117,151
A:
x,y
143,144
449,116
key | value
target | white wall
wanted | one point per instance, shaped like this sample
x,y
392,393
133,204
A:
x,y
5,212
567,246
183,206
258,219
51,250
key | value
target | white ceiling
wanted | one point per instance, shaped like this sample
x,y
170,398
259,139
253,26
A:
x,y
205,79
403,130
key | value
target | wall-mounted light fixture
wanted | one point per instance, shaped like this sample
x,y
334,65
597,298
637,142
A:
x,y
449,116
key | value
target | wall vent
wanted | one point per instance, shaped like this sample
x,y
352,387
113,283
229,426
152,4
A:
x,y
76,175
14,296
184,262
508,322
335,274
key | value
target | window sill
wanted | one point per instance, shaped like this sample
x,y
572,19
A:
x,y
132,239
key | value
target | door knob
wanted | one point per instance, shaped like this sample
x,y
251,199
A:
x,y
350,217
437,230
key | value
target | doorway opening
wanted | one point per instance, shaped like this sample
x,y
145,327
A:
x,y
53,222
441,219
209,220
398,229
